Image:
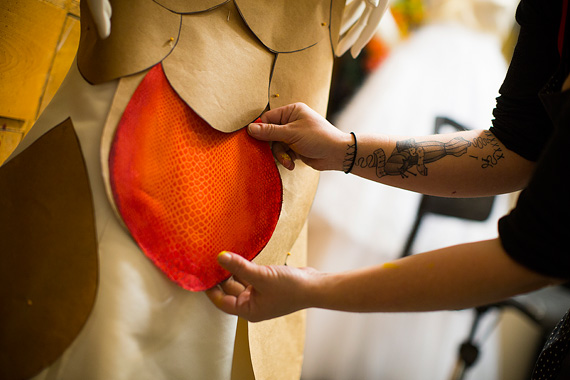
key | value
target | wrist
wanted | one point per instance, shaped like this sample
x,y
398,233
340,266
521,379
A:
x,y
346,152
316,290
350,154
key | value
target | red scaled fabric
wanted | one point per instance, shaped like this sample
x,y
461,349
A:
x,y
187,191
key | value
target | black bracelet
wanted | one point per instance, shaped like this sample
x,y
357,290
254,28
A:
x,y
351,155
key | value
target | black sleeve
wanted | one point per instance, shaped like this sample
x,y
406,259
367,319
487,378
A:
x,y
536,233
520,121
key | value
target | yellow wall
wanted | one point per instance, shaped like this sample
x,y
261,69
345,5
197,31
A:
x,y
38,41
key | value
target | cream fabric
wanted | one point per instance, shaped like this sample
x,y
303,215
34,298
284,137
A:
x,y
143,326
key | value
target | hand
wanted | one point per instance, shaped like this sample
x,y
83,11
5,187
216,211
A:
x,y
359,24
301,133
101,12
258,292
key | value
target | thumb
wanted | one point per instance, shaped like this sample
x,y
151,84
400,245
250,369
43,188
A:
x,y
238,266
269,132
273,125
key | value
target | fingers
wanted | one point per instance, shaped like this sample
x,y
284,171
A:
x,y
229,303
216,295
281,115
283,123
281,136
232,296
241,268
233,286
300,133
284,155
268,132
273,126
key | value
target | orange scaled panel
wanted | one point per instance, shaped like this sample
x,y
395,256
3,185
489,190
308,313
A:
x,y
186,191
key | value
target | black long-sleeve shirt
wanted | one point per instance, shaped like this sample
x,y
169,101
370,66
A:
x,y
532,118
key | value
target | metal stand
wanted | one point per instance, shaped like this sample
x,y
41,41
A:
x,y
469,350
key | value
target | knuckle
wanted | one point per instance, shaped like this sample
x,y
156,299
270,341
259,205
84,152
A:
x,y
271,131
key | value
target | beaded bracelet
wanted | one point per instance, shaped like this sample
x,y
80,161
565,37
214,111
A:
x,y
351,156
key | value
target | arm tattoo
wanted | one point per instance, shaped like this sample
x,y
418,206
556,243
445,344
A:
x,y
411,157
349,157
490,160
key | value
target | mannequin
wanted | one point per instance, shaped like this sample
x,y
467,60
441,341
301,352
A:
x,y
225,62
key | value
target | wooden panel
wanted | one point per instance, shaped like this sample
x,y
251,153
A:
x,y
30,33
65,53
38,41
10,135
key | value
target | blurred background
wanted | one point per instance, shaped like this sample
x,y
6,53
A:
x,y
433,63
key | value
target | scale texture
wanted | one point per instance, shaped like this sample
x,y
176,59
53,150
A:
x,y
186,191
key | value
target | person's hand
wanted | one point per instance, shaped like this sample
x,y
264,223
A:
x,y
257,292
101,12
299,132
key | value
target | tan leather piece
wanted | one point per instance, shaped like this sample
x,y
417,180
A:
x,y
277,345
125,90
337,6
194,6
263,350
48,248
311,88
223,70
228,93
142,34
286,25
299,188
242,368
200,61
299,185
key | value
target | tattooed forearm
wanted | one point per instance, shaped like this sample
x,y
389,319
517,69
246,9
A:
x,y
411,157
375,160
349,157
488,140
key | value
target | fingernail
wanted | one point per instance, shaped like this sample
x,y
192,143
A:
x,y
224,256
286,159
254,129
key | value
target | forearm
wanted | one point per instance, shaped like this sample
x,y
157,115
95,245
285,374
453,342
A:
x,y
463,164
452,278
